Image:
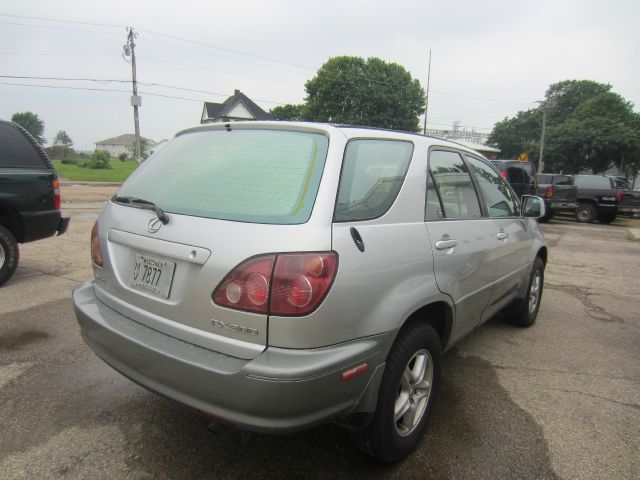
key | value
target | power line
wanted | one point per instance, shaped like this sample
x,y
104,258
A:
x,y
78,22
48,27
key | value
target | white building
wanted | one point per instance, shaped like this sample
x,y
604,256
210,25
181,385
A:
x,y
122,144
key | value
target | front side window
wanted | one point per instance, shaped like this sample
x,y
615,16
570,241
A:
x,y
257,176
372,174
493,189
452,186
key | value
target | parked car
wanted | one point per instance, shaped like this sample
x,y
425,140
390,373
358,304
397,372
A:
x,y
600,198
558,192
630,203
280,275
29,196
520,175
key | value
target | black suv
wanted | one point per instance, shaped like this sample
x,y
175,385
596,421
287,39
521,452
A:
x,y
29,195
521,176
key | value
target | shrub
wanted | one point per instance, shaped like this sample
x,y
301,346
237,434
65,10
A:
x,y
99,160
123,157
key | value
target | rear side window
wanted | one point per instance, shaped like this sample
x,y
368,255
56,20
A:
x,y
257,176
595,181
561,180
372,174
16,151
452,186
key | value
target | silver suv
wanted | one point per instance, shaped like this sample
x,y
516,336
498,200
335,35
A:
x,y
281,275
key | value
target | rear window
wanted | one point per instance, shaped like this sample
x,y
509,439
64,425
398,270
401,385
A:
x,y
257,176
595,181
16,151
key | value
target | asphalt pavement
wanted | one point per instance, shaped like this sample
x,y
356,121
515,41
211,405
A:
x,y
558,400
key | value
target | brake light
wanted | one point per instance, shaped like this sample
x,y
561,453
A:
x,y
504,174
619,196
57,199
96,253
549,193
284,284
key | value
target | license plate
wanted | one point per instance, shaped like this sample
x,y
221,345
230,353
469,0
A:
x,y
152,274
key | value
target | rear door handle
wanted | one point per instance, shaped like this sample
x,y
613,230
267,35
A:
x,y
503,236
446,244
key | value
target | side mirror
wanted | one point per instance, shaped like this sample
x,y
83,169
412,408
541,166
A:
x,y
533,207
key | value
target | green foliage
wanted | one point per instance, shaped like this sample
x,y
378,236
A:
x,y
78,172
587,127
62,139
99,160
289,112
32,124
123,157
368,92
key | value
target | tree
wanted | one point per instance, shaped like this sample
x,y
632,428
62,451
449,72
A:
x,y
289,112
587,127
64,142
518,134
368,92
62,139
32,124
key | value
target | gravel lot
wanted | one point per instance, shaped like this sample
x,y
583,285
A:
x,y
558,400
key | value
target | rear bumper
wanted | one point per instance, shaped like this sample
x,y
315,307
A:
x,y
280,390
561,205
629,210
39,225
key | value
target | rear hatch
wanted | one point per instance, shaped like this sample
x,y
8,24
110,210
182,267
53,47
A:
x,y
229,195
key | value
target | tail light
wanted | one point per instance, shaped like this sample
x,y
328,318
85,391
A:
x,y
57,200
504,174
96,253
619,195
290,284
549,192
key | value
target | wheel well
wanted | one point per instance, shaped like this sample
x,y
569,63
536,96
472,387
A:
x,y
439,316
10,218
542,253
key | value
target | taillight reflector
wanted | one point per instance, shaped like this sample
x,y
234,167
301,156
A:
x,y
96,253
504,174
354,372
619,196
284,284
57,199
549,191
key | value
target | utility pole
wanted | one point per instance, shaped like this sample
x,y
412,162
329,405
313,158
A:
x,y
426,106
544,127
136,100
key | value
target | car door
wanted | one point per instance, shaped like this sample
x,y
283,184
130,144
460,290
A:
x,y
514,241
463,240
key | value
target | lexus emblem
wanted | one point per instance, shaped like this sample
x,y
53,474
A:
x,y
154,225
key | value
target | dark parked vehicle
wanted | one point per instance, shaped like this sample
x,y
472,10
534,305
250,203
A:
x,y
558,192
630,203
598,198
29,196
521,175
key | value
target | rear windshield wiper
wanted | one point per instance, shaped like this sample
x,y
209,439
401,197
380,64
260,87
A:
x,y
144,204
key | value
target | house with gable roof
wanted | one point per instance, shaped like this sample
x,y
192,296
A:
x,y
235,108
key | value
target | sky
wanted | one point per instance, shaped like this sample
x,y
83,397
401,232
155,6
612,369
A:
x,y
490,59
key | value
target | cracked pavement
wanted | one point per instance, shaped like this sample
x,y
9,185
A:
x,y
558,400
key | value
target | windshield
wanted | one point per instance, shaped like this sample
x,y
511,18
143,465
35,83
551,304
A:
x,y
258,176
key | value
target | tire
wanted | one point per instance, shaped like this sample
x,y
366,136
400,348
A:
x,y
607,217
585,213
523,312
410,382
9,255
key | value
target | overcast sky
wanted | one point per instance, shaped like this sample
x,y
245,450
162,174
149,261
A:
x,y
490,59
